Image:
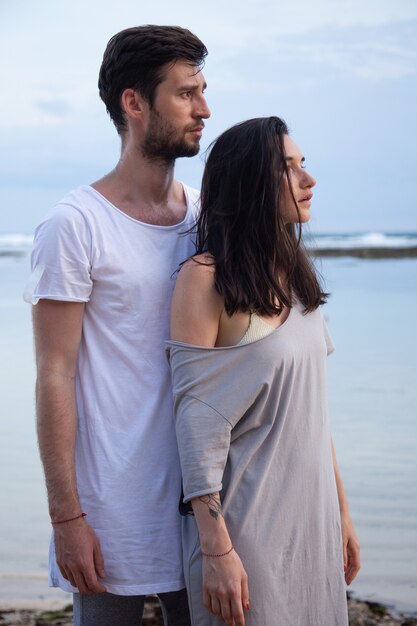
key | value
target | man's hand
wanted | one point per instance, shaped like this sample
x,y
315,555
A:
x,y
225,588
79,557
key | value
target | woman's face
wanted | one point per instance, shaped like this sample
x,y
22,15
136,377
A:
x,y
301,183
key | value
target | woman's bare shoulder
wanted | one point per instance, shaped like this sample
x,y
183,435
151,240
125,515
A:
x,y
200,264
198,273
196,304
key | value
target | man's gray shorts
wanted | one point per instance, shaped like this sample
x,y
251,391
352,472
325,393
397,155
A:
x,y
107,609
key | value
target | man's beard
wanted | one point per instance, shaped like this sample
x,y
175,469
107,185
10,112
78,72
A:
x,y
162,141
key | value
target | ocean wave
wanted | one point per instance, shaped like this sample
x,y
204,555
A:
x,y
363,240
19,244
15,244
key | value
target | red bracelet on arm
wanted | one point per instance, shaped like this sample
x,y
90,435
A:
x,y
217,555
71,519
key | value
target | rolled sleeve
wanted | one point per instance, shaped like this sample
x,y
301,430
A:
x,y
203,437
61,258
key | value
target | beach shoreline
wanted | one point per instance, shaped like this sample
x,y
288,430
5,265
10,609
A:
x,y
409,252
360,250
56,613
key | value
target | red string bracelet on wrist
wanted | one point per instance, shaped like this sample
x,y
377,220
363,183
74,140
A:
x,y
217,555
71,519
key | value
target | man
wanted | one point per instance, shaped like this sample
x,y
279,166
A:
x,y
104,262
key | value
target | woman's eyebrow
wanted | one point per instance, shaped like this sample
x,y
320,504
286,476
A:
x,y
291,158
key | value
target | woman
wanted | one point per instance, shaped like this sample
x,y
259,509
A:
x,y
264,546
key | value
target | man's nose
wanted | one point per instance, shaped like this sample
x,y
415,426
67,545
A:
x,y
202,109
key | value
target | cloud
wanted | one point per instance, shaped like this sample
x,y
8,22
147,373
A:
x,y
57,108
253,26
365,60
334,70
379,53
43,113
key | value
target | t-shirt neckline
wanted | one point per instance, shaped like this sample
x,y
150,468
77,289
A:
x,y
138,222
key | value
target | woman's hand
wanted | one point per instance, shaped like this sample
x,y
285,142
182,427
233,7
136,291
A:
x,y
225,588
351,549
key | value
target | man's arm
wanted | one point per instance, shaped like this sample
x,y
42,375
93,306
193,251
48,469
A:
x,y
57,329
351,548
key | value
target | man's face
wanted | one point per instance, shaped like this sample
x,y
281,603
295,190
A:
x,y
175,122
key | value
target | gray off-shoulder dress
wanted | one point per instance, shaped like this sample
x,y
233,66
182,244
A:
x,y
251,423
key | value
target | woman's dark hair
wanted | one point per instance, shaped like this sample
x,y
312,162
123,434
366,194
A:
x,y
135,59
260,262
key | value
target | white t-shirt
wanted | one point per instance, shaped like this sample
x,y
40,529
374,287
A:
x,y
128,472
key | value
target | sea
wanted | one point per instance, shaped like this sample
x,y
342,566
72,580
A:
x,y
372,392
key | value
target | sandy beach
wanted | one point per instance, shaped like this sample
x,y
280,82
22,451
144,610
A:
x,y
360,614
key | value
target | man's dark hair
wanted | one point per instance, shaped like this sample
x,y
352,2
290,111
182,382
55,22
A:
x,y
135,59
260,260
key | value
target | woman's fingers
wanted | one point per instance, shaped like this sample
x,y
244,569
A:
x,y
245,593
354,561
351,549
206,598
345,556
215,607
226,612
237,611
227,605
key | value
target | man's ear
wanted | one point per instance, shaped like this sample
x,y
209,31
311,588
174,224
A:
x,y
132,103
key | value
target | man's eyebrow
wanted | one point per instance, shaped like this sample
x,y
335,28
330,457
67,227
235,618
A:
x,y
192,87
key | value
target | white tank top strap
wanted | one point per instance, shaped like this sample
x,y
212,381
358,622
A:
x,y
257,329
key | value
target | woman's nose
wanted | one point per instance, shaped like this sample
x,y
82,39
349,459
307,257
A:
x,y
309,180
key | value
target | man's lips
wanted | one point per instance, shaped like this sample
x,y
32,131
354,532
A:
x,y
197,129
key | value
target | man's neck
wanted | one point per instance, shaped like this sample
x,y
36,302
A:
x,y
145,190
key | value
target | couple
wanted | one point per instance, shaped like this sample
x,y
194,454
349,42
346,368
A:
x,y
265,525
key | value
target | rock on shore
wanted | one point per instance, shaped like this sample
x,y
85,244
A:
x,y
361,613
367,253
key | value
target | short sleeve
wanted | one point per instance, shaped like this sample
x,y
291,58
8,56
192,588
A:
x,y
209,401
61,258
203,437
329,342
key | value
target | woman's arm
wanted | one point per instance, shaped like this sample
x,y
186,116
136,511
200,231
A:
x,y
195,317
196,306
351,548
225,583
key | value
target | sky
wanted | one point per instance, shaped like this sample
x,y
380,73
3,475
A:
x,y
342,73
